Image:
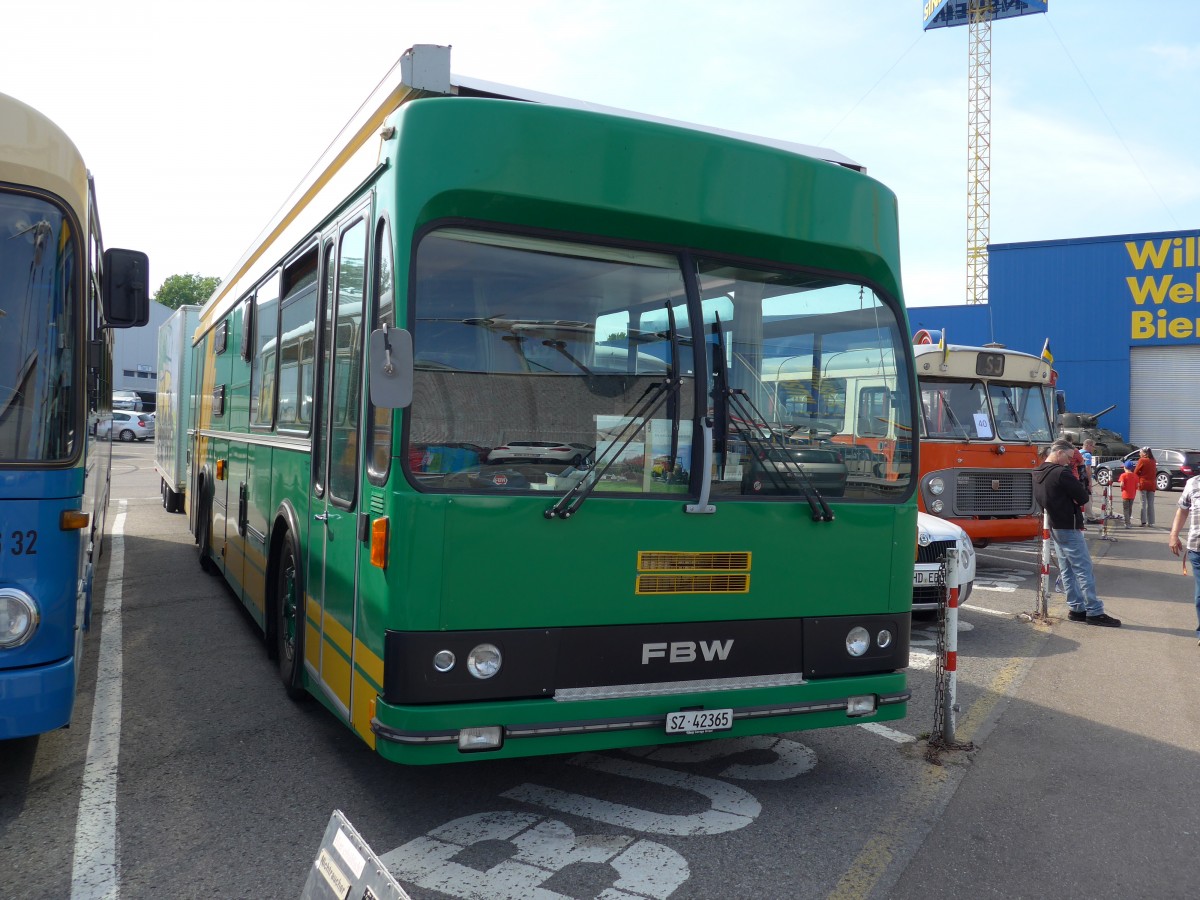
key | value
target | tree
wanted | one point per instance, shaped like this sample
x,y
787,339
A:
x,y
181,290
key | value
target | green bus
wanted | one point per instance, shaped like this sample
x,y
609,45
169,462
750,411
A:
x,y
485,434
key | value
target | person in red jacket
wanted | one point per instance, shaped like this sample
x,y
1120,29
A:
x,y
1147,472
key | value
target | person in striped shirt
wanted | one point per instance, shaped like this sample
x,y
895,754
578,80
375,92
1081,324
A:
x,y
1189,511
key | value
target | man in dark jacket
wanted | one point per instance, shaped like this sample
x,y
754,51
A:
x,y
1063,496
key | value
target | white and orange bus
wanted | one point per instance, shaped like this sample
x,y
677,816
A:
x,y
983,425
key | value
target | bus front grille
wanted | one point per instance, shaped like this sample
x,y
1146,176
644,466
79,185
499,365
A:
x,y
674,561
689,583
992,492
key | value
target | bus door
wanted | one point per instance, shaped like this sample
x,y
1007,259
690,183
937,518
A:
x,y
333,545
223,351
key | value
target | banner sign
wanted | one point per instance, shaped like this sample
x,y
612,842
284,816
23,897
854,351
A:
x,y
948,13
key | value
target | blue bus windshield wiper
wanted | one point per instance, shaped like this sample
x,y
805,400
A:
x,y
665,391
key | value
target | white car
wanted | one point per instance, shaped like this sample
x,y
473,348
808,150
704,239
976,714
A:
x,y
577,455
934,537
126,426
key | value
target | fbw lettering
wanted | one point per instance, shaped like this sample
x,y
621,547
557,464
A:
x,y
685,651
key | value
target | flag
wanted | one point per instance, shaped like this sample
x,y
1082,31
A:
x,y
1046,354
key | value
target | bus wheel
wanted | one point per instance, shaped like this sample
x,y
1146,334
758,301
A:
x,y
289,623
204,538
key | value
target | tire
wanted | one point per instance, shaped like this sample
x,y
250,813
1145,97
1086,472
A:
x,y
1104,477
289,622
204,539
126,435
1163,481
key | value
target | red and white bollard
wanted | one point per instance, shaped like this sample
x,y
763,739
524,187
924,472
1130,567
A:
x,y
950,663
1043,591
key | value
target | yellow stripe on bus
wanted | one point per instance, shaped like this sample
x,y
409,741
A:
x,y
335,672
371,664
363,709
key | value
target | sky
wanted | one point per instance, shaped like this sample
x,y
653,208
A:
x,y
198,119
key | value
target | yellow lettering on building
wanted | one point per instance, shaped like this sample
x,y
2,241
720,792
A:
x,y
1145,325
1182,293
1148,252
1154,288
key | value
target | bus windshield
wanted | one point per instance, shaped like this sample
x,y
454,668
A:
x,y
38,318
532,355
1020,412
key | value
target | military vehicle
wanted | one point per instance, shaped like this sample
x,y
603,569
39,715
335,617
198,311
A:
x,y
1078,427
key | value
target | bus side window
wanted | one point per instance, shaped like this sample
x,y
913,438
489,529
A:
x,y
379,421
298,322
874,412
263,337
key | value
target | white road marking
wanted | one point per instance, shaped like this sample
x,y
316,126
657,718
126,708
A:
x,y
94,869
731,808
890,733
921,659
986,611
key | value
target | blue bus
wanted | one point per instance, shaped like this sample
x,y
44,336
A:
x,y
61,294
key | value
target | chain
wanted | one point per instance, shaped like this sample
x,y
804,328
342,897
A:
x,y
937,744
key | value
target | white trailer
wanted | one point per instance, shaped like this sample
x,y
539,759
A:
x,y
173,413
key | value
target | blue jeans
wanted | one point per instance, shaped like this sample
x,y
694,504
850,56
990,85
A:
x,y
1147,509
1193,559
1076,565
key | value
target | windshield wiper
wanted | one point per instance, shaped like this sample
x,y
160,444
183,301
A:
x,y
652,399
733,407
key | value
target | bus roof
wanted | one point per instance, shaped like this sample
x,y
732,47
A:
x,y
422,71
36,152
961,363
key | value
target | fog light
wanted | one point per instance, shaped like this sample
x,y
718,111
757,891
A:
x,y
443,660
936,486
860,706
484,661
883,639
858,641
19,618
937,506
487,737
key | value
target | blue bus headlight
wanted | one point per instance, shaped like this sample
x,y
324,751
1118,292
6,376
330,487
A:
x,y
19,618
858,641
484,661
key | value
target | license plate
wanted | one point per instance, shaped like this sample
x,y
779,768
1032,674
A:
x,y
699,721
935,577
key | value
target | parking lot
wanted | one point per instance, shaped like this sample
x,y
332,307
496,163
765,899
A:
x,y
223,786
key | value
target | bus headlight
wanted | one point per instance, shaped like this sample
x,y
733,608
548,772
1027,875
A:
x,y
937,505
443,660
19,618
883,639
484,661
858,641
937,486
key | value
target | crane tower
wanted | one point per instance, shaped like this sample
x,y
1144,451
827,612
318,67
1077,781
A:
x,y
978,16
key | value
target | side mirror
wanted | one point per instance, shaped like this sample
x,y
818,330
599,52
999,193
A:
x,y
125,290
390,359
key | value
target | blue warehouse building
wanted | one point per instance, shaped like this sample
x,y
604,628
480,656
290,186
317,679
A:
x,y
1122,314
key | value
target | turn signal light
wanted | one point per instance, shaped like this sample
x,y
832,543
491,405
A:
x,y
379,538
220,470
73,520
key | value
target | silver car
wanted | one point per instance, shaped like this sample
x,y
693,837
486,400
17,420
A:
x,y
126,426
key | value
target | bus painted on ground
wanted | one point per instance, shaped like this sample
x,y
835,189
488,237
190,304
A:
x,y
61,294
595,298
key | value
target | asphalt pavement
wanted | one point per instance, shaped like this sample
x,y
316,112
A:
x,y
1088,787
